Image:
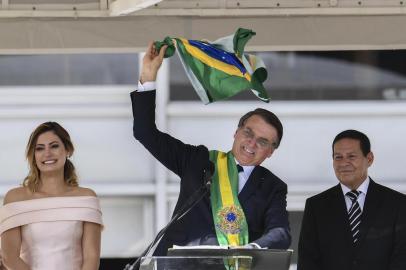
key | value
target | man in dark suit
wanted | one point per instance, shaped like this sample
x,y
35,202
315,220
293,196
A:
x,y
357,224
262,194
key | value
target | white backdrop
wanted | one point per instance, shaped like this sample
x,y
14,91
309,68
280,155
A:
x,y
124,175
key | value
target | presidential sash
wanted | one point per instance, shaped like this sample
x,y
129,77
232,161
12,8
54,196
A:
x,y
229,219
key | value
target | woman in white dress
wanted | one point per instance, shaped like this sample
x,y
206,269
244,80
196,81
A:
x,y
50,223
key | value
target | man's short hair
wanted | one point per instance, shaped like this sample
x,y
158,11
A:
x,y
268,117
356,135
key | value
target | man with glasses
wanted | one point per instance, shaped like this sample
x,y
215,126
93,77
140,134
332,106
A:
x,y
247,203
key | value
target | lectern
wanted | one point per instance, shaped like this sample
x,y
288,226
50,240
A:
x,y
196,263
262,259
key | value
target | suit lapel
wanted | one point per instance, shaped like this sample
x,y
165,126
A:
x,y
373,200
252,184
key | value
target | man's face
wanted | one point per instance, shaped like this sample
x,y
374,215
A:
x,y
254,141
350,164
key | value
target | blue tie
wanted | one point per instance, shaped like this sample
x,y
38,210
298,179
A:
x,y
354,214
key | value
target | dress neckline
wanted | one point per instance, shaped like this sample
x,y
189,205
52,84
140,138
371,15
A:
x,y
52,198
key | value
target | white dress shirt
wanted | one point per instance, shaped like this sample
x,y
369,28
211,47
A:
x,y
243,176
146,86
363,188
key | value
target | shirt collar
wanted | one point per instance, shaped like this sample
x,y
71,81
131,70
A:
x,y
363,188
247,169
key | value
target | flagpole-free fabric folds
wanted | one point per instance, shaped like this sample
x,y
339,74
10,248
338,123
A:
x,y
220,69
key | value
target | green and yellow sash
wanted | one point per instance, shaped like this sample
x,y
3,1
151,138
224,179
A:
x,y
229,219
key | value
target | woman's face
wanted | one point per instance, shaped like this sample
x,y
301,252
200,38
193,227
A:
x,y
50,153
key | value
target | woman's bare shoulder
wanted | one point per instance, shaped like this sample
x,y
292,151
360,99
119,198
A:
x,y
17,194
81,191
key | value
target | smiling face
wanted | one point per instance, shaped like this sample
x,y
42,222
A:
x,y
254,141
349,162
50,153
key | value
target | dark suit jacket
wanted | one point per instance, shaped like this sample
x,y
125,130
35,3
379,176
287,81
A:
x,y
263,198
325,240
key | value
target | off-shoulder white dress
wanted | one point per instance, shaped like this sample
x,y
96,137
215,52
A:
x,y
51,229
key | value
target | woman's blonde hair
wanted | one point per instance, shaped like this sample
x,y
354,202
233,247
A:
x,y
32,181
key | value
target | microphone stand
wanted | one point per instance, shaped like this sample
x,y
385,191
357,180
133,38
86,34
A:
x,y
195,198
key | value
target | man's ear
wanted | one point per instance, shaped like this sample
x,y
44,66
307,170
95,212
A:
x,y
235,133
370,157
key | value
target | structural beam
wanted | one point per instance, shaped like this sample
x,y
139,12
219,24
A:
x,y
132,33
125,7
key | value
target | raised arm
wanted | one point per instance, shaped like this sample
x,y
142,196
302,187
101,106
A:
x,y
151,63
171,152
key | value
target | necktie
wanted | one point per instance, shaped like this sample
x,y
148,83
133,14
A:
x,y
240,178
354,214
240,168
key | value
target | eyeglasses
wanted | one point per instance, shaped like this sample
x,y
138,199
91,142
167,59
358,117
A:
x,y
259,142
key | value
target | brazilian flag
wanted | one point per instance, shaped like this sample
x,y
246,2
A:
x,y
220,69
